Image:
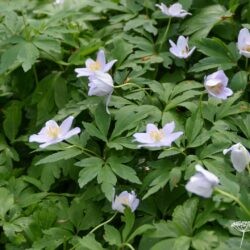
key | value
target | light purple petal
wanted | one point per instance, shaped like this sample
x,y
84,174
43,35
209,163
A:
x,y
167,141
72,132
182,43
38,138
239,160
109,65
89,62
213,179
151,127
83,72
101,58
169,128
199,186
243,37
191,51
66,125
143,138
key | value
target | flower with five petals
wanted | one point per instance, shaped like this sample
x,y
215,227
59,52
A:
x,y
155,138
174,10
181,48
92,66
52,133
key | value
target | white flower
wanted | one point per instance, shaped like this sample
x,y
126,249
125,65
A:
x,y
52,133
244,42
125,199
100,84
240,157
181,49
174,10
202,183
155,137
59,2
92,66
216,83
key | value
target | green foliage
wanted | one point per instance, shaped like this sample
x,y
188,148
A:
x,y
61,197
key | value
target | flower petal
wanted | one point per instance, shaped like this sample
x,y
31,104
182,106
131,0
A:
x,y
66,125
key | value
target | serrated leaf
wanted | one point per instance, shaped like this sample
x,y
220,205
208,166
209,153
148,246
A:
x,y
27,55
125,172
112,235
7,202
93,131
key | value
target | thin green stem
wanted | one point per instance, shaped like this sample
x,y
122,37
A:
x,y
246,63
165,34
128,245
102,224
35,74
86,151
242,238
235,199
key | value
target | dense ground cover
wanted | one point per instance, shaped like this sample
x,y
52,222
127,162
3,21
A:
x,y
114,137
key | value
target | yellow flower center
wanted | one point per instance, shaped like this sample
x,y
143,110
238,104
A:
x,y
53,131
123,200
95,66
247,47
185,51
157,135
216,88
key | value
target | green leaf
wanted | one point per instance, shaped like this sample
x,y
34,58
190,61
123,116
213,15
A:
x,y
7,202
182,242
112,235
239,81
121,50
140,230
92,166
126,120
27,55
93,131
129,219
200,25
102,119
219,55
184,216
13,118
62,155
204,240
193,126
125,172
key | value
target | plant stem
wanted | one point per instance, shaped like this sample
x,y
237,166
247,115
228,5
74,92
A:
x,y
165,34
235,199
128,245
246,64
242,238
35,74
85,151
102,224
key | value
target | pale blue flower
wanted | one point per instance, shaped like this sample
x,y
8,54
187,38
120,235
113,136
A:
x,y
125,199
240,157
181,48
174,10
244,42
216,85
155,137
92,66
52,133
202,183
